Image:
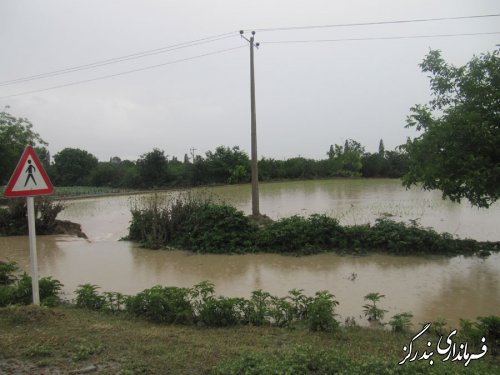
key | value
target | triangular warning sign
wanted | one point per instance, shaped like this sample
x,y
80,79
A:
x,y
29,177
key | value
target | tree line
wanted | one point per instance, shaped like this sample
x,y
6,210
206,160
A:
x,y
224,165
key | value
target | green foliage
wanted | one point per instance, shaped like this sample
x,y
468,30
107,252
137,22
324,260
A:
x,y
7,273
457,151
306,360
219,312
13,219
73,166
487,327
201,225
401,322
192,223
152,168
371,310
162,305
321,312
17,290
87,297
15,135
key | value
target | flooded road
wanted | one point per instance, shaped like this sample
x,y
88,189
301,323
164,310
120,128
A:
x,y
430,287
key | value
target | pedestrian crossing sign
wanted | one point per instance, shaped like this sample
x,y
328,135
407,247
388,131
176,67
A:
x,y
29,177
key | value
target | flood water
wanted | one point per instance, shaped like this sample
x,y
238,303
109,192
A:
x,y
429,287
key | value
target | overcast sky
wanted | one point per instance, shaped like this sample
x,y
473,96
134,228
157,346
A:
x,y
309,95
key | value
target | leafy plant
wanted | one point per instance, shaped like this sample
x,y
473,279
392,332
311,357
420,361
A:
x,y
371,310
88,297
322,311
401,322
162,305
219,312
255,311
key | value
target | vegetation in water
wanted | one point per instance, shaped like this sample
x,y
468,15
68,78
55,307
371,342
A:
x,y
200,224
372,311
13,218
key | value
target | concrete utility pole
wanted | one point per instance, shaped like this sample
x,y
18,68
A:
x,y
255,171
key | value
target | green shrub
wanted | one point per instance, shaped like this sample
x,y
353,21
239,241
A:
x,y
20,292
255,311
13,219
162,305
321,312
401,322
489,327
7,273
87,297
219,312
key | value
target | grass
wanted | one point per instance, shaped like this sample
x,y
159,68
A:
x,y
68,339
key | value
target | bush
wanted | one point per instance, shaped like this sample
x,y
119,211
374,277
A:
x,y
219,312
321,312
18,291
401,322
7,273
87,297
13,219
162,305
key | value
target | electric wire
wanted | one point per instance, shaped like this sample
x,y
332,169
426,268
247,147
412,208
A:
x,y
376,38
123,73
373,23
225,36
114,60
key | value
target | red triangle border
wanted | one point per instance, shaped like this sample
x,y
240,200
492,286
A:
x,y
28,151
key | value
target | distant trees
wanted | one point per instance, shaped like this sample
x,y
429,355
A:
x,y
458,151
384,163
154,169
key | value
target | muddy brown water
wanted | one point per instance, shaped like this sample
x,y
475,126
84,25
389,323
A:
x,y
430,287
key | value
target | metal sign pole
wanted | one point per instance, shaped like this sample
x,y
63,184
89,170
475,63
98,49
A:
x,y
30,202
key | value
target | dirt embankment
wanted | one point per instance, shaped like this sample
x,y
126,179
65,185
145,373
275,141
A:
x,y
69,228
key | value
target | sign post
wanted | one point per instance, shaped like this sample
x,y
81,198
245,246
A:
x,y
28,180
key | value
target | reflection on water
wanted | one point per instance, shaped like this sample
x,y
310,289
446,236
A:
x,y
429,287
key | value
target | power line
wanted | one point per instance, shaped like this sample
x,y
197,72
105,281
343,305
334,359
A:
x,y
123,73
376,38
114,60
374,23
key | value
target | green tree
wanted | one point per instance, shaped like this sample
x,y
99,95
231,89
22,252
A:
x,y
74,167
15,135
152,168
458,151
227,165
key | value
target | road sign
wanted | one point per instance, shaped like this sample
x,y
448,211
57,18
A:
x,y
29,177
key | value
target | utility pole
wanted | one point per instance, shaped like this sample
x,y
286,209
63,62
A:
x,y
255,171
192,149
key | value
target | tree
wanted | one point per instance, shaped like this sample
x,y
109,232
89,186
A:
x,y
74,167
15,135
458,151
228,165
152,168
